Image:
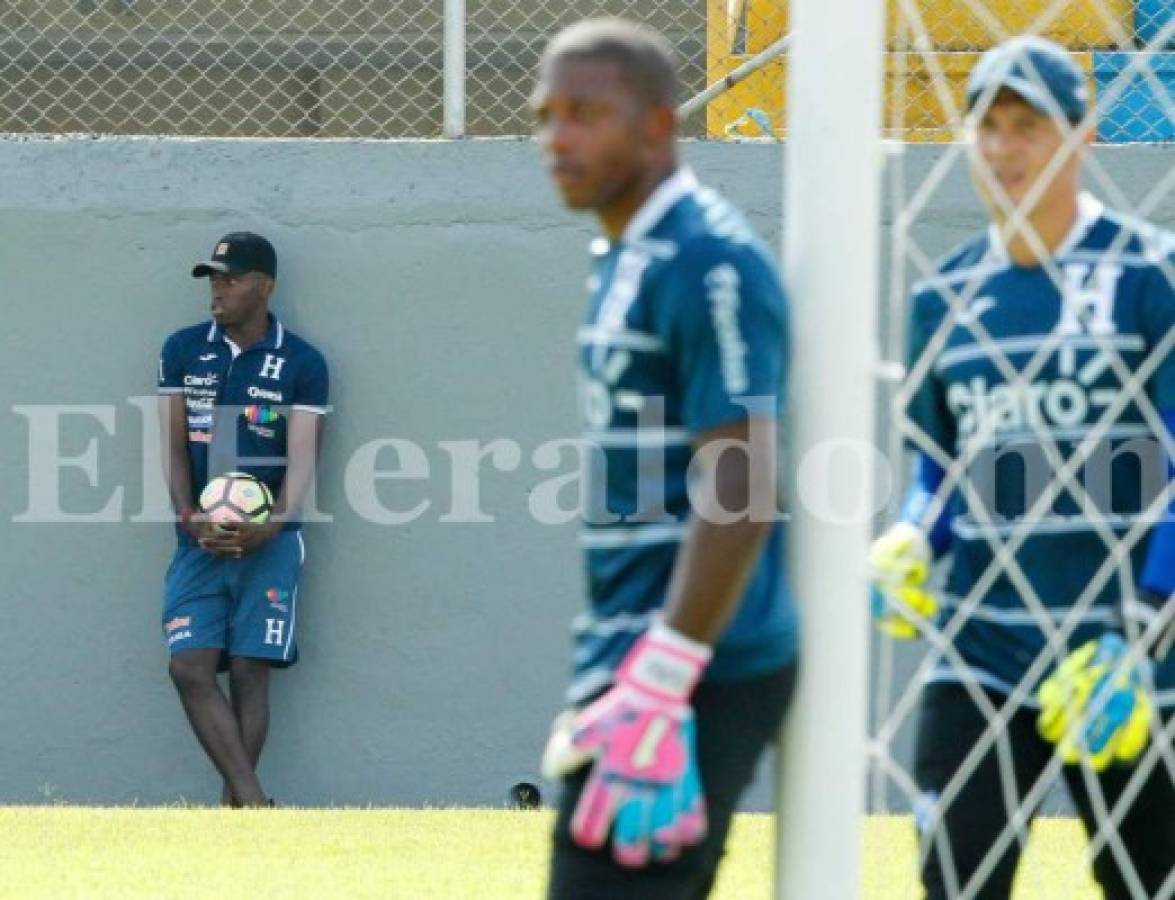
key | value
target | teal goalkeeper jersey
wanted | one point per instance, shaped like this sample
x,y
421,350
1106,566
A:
x,y
1022,372
684,333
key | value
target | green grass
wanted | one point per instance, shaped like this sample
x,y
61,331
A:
x,y
61,852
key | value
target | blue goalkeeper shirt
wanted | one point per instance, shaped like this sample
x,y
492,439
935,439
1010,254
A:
x,y
1016,368
684,333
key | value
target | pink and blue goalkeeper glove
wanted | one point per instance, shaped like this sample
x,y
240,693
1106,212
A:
x,y
644,786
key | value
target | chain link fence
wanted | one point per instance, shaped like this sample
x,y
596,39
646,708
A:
x,y
376,68
506,38
259,68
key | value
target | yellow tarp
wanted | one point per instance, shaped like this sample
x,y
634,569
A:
x,y
915,110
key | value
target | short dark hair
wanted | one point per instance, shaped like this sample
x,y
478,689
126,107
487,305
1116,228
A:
x,y
644,56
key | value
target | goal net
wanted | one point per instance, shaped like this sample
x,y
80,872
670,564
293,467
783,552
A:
x,y
1048,421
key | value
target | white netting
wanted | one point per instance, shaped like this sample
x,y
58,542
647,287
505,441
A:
x,y
1123,44
1124,47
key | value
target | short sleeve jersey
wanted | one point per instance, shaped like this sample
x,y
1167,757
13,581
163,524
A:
x,y
684,333
238,402
1021,373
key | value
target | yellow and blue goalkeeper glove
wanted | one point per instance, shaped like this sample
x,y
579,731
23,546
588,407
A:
x,y
1093,708
899,566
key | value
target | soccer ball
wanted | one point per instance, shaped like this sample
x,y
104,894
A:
x,y
236,497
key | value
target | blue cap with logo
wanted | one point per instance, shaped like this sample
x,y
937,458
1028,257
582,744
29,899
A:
x,y
1042,73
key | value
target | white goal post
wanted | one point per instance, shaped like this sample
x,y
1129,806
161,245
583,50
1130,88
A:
x,y
831,256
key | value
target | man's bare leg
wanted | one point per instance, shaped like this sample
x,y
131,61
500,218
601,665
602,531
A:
x,y
215,726
249,690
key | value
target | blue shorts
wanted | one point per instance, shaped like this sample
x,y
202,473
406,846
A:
x,y
245,607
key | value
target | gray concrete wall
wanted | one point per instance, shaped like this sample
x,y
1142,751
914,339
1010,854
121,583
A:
x,y
444,284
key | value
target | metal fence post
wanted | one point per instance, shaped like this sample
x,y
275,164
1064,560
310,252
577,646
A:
x,y
454,124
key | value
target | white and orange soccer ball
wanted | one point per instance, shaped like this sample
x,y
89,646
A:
x,y
236,497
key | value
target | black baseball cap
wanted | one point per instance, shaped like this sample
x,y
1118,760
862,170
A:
x,y
1043,73
237,253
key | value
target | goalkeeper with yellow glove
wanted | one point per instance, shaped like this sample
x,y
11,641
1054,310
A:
x,y
1010,350
1096,705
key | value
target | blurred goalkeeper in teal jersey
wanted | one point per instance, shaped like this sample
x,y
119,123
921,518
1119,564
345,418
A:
x,y
1041,404
684,659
